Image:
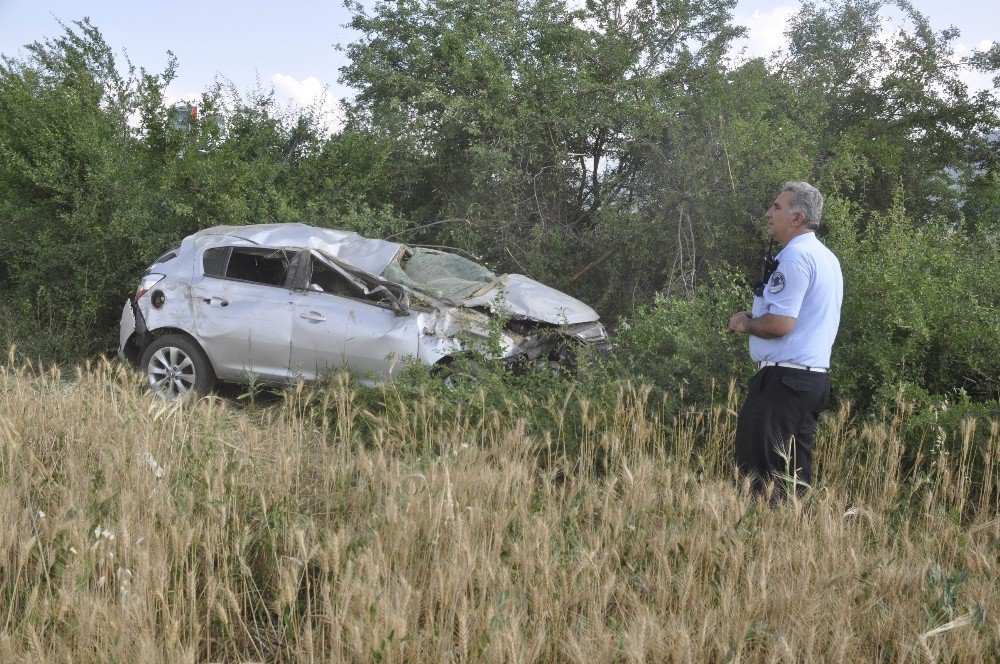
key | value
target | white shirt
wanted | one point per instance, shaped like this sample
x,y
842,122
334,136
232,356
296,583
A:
x,y
809,287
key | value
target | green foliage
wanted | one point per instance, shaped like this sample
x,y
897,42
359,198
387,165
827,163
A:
x,y
611,151
944,607
72,189
472,388
681,344
937,420
526,124
922,307
981,207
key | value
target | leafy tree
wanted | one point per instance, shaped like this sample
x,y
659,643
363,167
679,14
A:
x,y
981,206
892,106
73,177
519,120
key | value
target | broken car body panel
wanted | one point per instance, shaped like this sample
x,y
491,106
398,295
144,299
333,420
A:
x,y
280,301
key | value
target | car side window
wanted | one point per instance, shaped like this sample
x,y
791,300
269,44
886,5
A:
x,y
254,264
325,279
214,261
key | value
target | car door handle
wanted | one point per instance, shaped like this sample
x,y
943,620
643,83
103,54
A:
x,y
215,298
314,316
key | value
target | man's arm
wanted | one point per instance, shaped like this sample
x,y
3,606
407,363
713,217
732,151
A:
x,y
768,326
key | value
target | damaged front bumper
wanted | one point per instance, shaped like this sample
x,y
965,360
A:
x,y
133,336
520,344
529,346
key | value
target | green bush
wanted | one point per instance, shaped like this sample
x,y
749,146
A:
x,y
921,306
680,342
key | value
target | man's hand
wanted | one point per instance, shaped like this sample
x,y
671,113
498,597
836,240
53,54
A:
x,y
768,326
739,322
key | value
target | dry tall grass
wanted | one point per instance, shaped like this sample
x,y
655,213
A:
x,y
317,529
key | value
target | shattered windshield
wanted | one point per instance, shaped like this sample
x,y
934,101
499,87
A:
x,y
437,273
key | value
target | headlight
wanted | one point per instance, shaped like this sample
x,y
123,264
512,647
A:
x,y
147,282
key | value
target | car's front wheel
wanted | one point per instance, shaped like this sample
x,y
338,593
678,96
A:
x,y
176,366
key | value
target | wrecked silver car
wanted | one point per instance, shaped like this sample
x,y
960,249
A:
x,y
276,302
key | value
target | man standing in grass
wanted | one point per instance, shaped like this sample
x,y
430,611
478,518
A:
x,y
791,328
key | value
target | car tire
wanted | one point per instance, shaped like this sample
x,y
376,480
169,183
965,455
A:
x,y
175,366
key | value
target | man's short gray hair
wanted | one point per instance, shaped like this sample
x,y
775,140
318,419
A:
x,y
807,200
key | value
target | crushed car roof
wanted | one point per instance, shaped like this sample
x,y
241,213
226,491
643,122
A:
x,y
369,255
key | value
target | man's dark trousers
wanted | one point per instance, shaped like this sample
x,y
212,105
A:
x,y
776,427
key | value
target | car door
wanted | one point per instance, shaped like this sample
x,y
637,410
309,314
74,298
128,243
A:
x,y
337,324
243,311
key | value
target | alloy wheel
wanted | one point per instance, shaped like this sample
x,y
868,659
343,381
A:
x,y
170,372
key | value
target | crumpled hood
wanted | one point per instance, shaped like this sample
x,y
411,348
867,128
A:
x,y
519,296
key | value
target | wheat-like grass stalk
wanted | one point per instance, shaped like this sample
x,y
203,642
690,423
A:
x,y
340,524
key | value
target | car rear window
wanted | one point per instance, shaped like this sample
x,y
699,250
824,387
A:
x,y
257,265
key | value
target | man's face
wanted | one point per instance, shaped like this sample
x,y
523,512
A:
x,y
783,224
